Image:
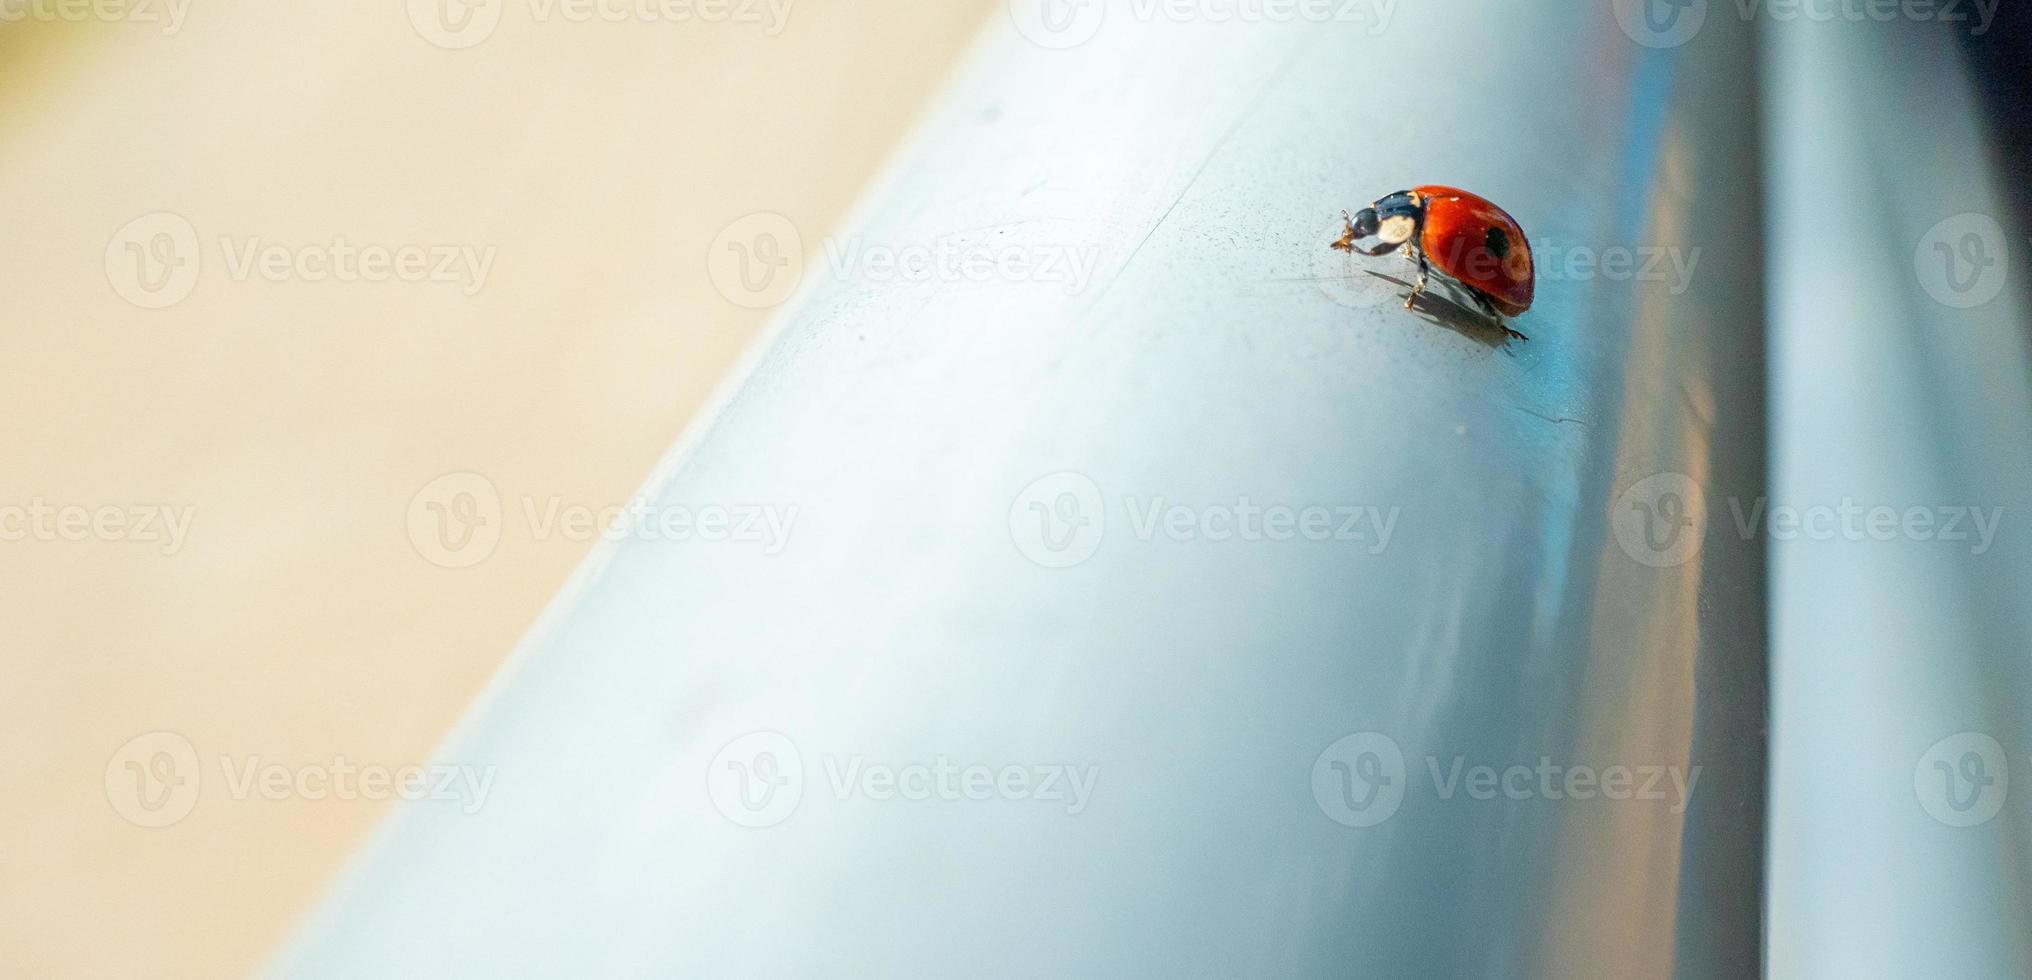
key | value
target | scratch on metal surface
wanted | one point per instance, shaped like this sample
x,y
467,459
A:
x,y
1556,421
1269,85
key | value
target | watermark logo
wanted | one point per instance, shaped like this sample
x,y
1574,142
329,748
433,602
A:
x,y
1963,779
154,260
460,24
757,260
1360,781
154,780
1880,11
1362,281
459,519
1058,24
455,521
1058,520
1961,262
1062,24
757,780
1660,23
1660,521
455,24
1671,23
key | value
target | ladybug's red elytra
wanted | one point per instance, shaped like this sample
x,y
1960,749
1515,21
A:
x,y
1465,235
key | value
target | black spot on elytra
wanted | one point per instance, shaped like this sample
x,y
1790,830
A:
x,y
1499,243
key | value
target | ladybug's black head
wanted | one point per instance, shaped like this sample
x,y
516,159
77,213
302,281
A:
x,y
1386,226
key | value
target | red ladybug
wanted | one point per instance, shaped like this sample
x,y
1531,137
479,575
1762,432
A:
x,y
1469,238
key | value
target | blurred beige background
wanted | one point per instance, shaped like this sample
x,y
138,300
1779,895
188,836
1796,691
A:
x,y
495,223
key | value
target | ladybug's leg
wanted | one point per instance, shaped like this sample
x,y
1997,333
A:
x,y
1482,300
1347,239
1424,274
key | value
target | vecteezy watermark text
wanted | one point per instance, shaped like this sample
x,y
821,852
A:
x,y
1062,24
1364,282
457,521
156,779
1248,520
1059,520
341,779
758,260
1671,23
1559,262
1662,521
758,780
1361,780
155,261
40,520
340,260
956,260
459,24
169,14
1548,780
950,782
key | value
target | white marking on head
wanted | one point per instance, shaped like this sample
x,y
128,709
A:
x,y
1396,229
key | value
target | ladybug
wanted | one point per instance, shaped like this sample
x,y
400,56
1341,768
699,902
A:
x,y
1467,236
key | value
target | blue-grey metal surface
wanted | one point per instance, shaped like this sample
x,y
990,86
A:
x,y
1901,832
1187,686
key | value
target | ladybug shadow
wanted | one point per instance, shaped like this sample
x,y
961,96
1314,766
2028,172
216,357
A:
x,y
1433,306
